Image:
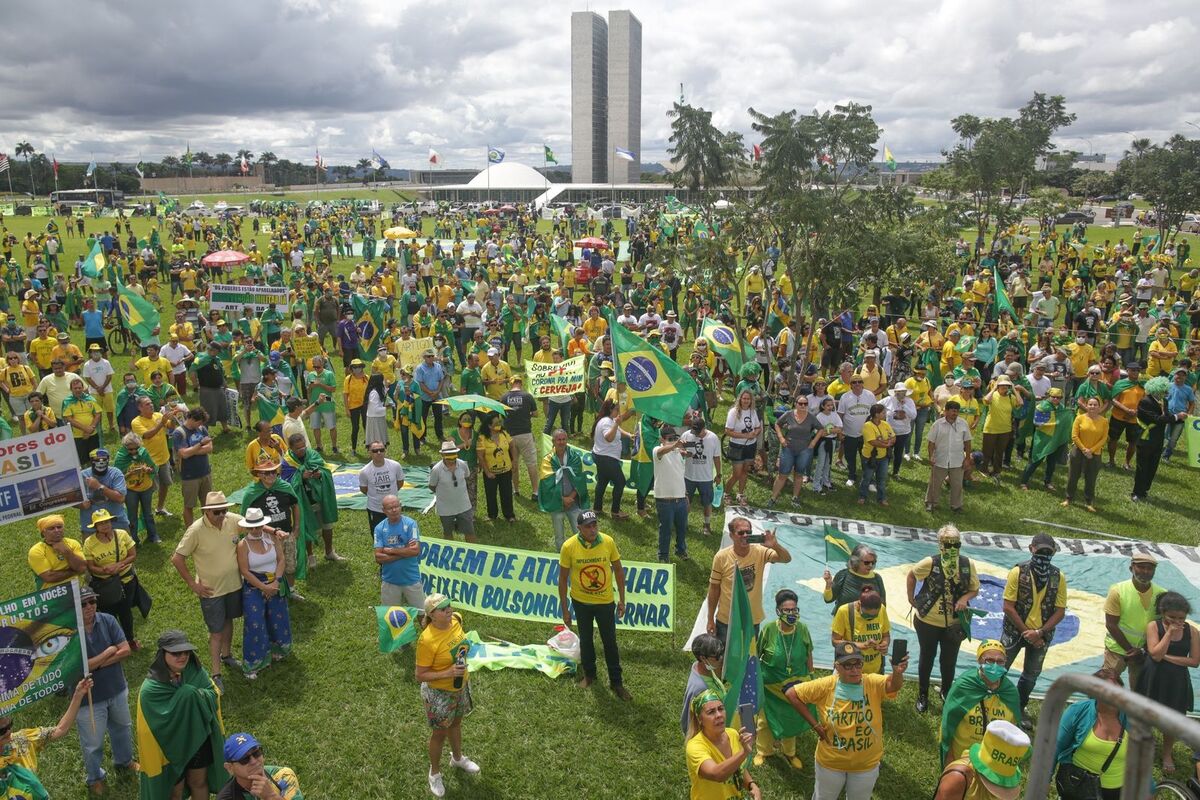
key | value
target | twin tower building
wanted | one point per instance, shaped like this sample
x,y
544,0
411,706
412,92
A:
x,y
606,97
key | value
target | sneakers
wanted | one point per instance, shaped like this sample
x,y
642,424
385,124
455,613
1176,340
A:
x,y
907,457
333,556
299,598
794,762
850,483
436,787
230,662
465,764
220,684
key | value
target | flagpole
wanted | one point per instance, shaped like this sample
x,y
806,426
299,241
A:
x,y
487,167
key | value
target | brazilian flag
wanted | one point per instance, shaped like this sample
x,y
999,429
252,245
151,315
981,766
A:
x,y
397,627
138,316
838,545
173,723
657,385
95,263
726,343
369,316
641,471
562,329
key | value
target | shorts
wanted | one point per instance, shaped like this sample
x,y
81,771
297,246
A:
x,y
195,490
326,420
443,708
789,462
246,391
221,609
316,509
463,523
742,453
20,404
705,488
391,594
526,449
106,402
165,476
1132,430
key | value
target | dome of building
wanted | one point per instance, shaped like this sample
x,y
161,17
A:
x,y
508,176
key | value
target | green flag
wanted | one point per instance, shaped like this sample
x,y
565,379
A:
x,y
1002,301
657,385
742,677
397,627
726,343
1045,443
562,329
369,317
641,471
95,263
549,155
138,316
838,545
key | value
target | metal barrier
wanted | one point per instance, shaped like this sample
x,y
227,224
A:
x,y
1144,716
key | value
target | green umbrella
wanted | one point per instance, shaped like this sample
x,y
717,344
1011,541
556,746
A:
x,y
470,402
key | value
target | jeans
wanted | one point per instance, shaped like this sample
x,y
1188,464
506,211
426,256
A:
x,y
145,501
1174,431
1089,468
931,638
608,471
605,618
853,448
1034,656
1051,461
560,520
899,450
112,717
830,783
672,514
821,477
875,470
918,436
560,411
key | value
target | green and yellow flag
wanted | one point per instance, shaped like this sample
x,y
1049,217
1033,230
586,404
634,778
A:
x,y
726,343
397,627
641,471
742,677
369,317
1002,301
657,385
838,545
40,645
174,723
95,263
138,316
562,329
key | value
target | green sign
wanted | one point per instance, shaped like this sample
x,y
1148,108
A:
x,y
41,651
1193,440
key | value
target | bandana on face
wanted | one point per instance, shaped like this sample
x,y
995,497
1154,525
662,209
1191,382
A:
x,y
1040,563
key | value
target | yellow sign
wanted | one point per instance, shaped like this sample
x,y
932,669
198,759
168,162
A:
x,y
305,347
408,351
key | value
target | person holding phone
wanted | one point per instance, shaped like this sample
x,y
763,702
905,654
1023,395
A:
x,y
716,755
748,558
848,722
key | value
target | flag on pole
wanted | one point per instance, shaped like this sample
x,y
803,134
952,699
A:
x,y
379,161
137,314
3,162
1002,301
641,467
397,627
628,155
756,152
742,677
320,161
435,157
657,385
826,159
95,263
495,155
136,168
562,329
54,166
838,545
187,156
726,343
91,169
369,317
889,159
245,165
548,155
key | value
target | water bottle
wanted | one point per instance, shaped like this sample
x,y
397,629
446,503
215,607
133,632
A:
x,y
460,660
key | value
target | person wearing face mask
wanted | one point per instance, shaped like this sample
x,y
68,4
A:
x,y
865,623
705,674
976,699
1129,609
785,658
106,490
448,482
949,583
497,456
1035,602
1049,440
848,723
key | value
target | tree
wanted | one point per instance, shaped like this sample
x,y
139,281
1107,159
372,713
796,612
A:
x,y
26,149
1094,184
705,155
1168,175
363,163
223,160
267,158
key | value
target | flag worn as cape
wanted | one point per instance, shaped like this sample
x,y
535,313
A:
x,y
23,781
318,490
551,467
369,317
1046,443
1002,301
137,314
642,469
308,528
173,723
966,693
410,411
790,667
397,627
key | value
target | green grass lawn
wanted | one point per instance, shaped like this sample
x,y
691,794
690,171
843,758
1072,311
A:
x,y
350,720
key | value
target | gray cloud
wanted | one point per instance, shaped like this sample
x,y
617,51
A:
x,y
120,80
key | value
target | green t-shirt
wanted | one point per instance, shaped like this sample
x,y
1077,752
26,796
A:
x,y
327,377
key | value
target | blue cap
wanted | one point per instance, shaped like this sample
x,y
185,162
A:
x,y
99,452
238,744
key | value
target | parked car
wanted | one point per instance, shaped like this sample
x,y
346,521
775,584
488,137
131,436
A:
x,y
1072,217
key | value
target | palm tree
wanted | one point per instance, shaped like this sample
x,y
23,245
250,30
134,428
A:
x,y
364,163
26,149
223,160
170,164
244,154
267,159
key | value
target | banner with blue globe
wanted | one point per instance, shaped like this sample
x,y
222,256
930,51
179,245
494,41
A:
x,y
1090,567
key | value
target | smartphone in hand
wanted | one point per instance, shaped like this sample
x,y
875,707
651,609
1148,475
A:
x,y
746,716
899,650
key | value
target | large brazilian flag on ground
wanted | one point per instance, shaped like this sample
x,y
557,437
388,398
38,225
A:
x,y
657,385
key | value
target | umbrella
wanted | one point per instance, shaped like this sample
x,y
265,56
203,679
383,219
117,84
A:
x,y
399,232
491,212
594,242
470,402
508,209
224,258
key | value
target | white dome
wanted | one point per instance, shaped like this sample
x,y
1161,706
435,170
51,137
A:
x,y
508,176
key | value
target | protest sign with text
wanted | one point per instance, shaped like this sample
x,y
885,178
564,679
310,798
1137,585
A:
x,y
408,351
41,651
39,473
555,380
231,296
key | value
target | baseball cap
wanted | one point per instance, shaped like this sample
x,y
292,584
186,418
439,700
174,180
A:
x,y
1041,540
588,518
238,745
1143,558
175,641
848,651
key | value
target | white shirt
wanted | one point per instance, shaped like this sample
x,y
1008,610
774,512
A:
x,y
701,452
379,482
600,445
671,333
293,425
1040,386
948,442
742,420
629,321
900,413
855,411
472,313
669,468
175,353
650,321
97,371
376,406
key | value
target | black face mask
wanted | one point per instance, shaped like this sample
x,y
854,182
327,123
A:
x,y
697,427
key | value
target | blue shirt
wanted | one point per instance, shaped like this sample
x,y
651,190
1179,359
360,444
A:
x,y
1179,397
109,479
191,466
110,680
430,377
93,324
402,571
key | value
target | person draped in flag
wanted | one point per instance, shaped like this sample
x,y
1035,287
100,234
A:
x,y
19,749
975,698
313,483
785,657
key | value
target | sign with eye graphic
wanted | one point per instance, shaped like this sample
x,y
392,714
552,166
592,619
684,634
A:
x,y
41,649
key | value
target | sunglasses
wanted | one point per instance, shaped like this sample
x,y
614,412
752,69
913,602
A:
x,y
253,754
851,665
218,512
952,547
377,450
739,533
866,563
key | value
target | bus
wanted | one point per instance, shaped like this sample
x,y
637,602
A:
x,y
75,198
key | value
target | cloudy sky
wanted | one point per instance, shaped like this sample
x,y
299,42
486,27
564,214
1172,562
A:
x,y
141,78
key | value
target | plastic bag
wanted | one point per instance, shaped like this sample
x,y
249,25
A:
x,y
565,641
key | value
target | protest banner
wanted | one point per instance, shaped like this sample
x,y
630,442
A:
x,y
1192,431
408,351
41,651
555,380
226,296
517,584
1090,567
305,347
39,473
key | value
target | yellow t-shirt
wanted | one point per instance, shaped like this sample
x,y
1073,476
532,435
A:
x,y
1082,356
1162,356
970,727
935,616
139,476
24,747
1034,620
873,380
147,365
42,350
753,568
699,749
104,554
920,392
214,553
856,728
155,445
85,412
864,630
595,327
257,452
591,571
501,372
385,365
495,456
435,651
1092,434
951,358
20,380
355,390
43,558
1000,410
871,432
